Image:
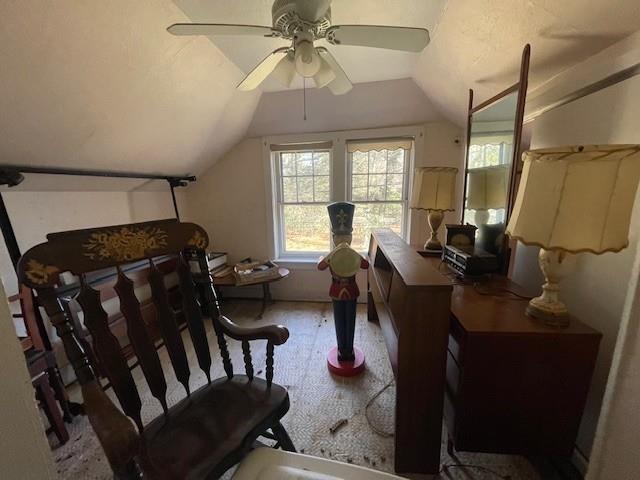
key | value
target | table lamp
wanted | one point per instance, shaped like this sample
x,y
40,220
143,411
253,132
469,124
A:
x,y
571,200
486,189
434,190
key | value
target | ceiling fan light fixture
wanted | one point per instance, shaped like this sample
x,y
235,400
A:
x,y
285,71
325,74
307,60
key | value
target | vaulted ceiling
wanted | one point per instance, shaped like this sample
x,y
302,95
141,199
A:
x,y
478,44
101,85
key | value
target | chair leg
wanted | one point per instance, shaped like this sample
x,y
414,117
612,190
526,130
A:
x,y
283,437
55,380
50,407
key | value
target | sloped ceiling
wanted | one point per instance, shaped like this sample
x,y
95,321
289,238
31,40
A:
x,y
397,103
102,85
478,44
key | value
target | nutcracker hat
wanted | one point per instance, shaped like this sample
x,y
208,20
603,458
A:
x,y
341,216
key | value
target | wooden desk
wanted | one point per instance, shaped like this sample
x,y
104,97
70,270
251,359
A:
x,y
514,384
230,281
411,299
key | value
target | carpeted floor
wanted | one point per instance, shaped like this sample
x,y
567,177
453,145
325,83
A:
x,y
318,399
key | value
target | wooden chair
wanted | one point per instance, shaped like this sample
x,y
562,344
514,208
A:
x,y
43,368
46,382
212,428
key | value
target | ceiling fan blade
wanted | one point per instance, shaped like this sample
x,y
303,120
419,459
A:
x,y
393,38
285,70
341,84
325,75
221,29
263,69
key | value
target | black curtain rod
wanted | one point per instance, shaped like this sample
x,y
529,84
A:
x,y
97,173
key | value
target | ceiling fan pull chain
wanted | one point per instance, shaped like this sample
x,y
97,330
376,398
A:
x,y
304,97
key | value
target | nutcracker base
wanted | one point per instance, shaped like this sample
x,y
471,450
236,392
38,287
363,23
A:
x,y
345,369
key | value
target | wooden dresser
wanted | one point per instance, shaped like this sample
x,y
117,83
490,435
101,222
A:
x,y
411,301
514,385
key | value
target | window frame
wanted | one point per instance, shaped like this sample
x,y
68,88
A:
x,y
336,141
408,163
278,199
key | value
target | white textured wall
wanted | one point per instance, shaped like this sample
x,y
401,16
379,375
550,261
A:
x,y
440,149
618,433
24,451
228,200
146,206
595,291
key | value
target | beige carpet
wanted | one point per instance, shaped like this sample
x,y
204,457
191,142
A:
x,y
318,399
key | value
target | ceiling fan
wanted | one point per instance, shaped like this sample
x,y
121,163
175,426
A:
x,y
304,22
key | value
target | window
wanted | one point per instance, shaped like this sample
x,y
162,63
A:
x,y
379,174
489,150
304,191
307,177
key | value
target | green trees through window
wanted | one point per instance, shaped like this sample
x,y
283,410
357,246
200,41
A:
x,y
376,182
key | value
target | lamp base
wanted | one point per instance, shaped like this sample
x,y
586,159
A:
x,y
435,220
433,247
547,307
555,315
430,252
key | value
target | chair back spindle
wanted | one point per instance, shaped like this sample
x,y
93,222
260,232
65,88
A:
x,y
169,327
115,432
64,328
269,372
210,299
143,346
109,353
248,364
193,315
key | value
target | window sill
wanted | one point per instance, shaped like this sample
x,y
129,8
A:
x,y
298,263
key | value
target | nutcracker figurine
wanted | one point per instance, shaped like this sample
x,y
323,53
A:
x,y
343,262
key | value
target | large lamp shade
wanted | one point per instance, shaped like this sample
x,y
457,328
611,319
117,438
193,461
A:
x,y
487,187
434,188
573,199
577,199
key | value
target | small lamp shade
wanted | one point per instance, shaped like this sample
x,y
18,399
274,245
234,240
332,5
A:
x,y
434,188
487,187
577,199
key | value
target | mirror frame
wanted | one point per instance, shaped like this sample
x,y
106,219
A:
x,y
521,88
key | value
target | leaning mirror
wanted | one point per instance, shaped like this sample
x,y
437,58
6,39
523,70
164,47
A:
x,y
493,134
